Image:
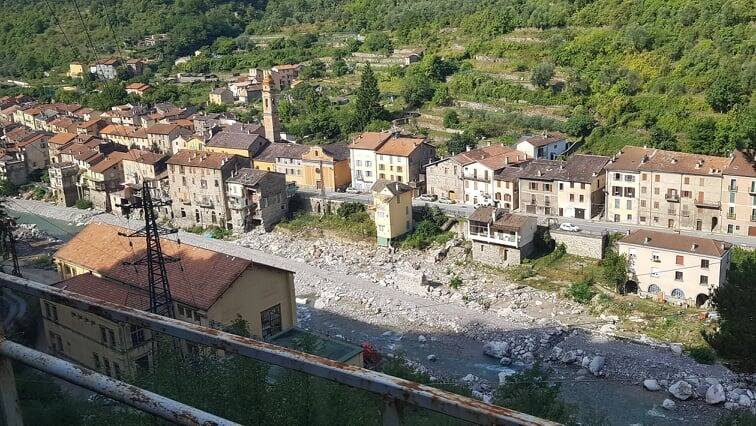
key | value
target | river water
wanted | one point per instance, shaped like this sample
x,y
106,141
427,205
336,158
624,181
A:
x,y
57,228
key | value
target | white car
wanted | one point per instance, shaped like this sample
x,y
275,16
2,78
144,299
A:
x,y
569,227
352,190
427,197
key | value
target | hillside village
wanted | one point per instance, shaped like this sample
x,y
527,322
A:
x,y
444,212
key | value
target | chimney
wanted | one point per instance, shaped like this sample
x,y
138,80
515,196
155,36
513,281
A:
x,y
467,148
674,160
539,173
693,247
506,160
646,240
493,214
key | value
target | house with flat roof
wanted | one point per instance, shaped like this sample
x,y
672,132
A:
x,y
674,267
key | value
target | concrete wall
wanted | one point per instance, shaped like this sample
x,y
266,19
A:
x,y
580,244
495,255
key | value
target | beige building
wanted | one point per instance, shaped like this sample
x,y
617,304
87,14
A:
x,y
677,190
197,181
100,180
392,157
500,238
63,183
470,177
739,195
209,288
160,136
221,96
677,268
256,198
75,70
573,188
392,202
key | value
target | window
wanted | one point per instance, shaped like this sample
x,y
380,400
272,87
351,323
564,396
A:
x,y
656,204
656,191
616,176
107,366
644,176
97,362
654,289
678,276
561,186
572,197
678,294
56,343
643,219
271,321
657,178
686,180
51,311
616,203
704,263
703,280
137,337
679,260
217,184
582,198
107,336
629,204
643,203
533,186
547,187
655,257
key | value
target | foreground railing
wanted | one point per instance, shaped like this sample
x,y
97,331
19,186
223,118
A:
x,y
394,391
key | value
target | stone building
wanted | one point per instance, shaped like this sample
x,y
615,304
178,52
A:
x,y
500,238
244,140
256,198
63,182
197,181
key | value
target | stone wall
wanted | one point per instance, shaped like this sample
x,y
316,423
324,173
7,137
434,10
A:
x,y
581,244
495,255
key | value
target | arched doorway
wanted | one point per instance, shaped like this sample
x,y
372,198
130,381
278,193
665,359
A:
x,y
714,222
702,299
653,289
631,287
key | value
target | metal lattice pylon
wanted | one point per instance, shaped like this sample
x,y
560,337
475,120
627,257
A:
x,y
161,301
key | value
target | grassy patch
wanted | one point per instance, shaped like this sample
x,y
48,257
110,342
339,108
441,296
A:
x,y
83,204
356,226
41,261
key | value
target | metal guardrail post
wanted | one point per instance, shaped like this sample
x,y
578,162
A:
x,y
143,400
10,407
391,412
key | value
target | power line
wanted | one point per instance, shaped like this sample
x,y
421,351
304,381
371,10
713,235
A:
x,y
86,30
57,22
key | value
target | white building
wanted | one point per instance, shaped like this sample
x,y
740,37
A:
x,y
546,145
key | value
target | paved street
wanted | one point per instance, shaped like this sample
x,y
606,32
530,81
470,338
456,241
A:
x,y
591,226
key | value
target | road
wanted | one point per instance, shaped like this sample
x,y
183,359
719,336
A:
x,y
587,225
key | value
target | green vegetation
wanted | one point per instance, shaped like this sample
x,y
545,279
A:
x,y
83,204
583,291
428,222
702,354
456,282
737,418
735,340
355,226
42,261
531,392
7,188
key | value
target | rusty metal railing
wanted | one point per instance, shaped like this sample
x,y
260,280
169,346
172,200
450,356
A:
x,y
395,392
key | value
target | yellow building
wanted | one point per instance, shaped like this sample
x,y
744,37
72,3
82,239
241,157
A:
x,y
75,70
392,202
208,287
326,167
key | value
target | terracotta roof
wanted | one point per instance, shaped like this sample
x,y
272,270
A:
x,y
90,123
504,221
62,138
138,86
162,129
468,157
111,160
281,150
117,130
543,139
741,164
204,159
205,276
287,66
677,242
634,158
396,188
31,139
144,157
107,290
65,122
401,146
370,140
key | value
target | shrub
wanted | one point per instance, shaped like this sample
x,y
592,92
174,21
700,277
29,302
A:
x,y
348,209
542,74
455,282
219,233
702,354
83,204
583,291
533,393
7,188
39,193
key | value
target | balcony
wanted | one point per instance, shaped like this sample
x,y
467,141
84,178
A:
x,y
205,202
731,216
707,204
753,217
732,188
467,176
672,197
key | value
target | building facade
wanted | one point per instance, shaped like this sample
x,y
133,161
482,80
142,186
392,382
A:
x,y
256,198
499,238
677,268
547,146
392,202
739,195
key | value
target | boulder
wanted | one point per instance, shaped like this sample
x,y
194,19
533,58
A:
x,y
651,385
585,361
731,406
668,404
681,390
505,361
596,364
676,348
744,401
715,394
421,338
503,377
496,349
432,358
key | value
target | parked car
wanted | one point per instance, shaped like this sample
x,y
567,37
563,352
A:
x,y
445,200
427,197
569,227
352,190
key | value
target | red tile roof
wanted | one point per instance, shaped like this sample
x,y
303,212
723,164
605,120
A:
x,y
162,129
677,242
370,140
107,290
205,276
204,159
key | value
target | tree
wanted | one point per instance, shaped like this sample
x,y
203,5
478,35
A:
x,y
459,143
542,74
418,89
7,188
580,124
724,92
735,302
451,119
489,22
340,67
378,42
441,96
615,270
663,139
702,136
315,69
531,392
367,104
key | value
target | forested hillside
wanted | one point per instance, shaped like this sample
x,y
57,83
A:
x,y
677,74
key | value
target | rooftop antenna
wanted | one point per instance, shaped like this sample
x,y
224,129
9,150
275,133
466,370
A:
x,y
161,301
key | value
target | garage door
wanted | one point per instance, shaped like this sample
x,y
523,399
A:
x,y
752,231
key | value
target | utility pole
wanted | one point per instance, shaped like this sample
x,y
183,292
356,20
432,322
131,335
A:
x,y
161,301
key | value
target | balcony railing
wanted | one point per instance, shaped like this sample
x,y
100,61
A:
x,y
468,176
733,188
393,391
707,204
731,216
672,197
